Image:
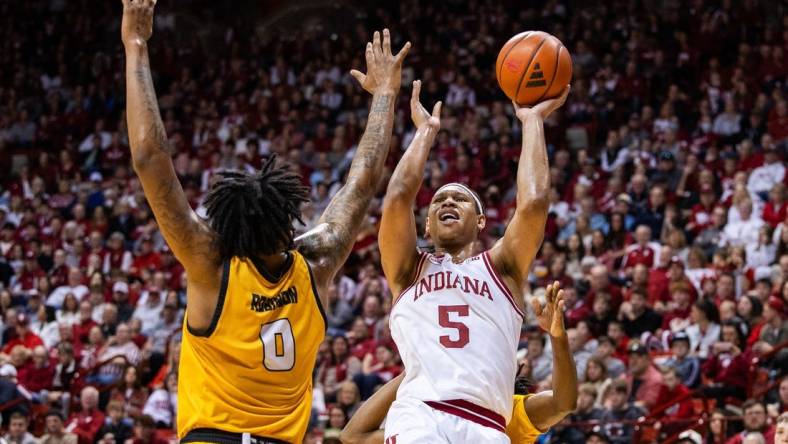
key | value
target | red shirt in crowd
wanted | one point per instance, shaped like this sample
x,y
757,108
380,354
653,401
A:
x,y
85,425
682,407
29,340
36,379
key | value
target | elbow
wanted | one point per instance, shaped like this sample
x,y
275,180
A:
x,y
535,204
568,406
348,437
397,194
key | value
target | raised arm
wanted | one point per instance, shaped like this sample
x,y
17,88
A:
x,y
189,237
512,255
364,426
548,408
397,238
329,244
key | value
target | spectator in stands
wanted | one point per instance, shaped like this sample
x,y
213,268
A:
x,y
377,370
755,421
116,354
775,327
541,362
645,381
578,350
704,330
618,418
636,316
781,404
674,397
744,231
338,312
728,365
55,433
24,336
162,405
116,428
17,430
606,351
587,406
596,376
687,367
130,392
145,432
86,423
39,375
349,398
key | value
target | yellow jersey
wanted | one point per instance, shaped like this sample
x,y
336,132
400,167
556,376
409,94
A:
x,y
251,370
520,430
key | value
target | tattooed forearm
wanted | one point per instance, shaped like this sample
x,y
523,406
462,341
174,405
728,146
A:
x,y
146,130
347,210
189,237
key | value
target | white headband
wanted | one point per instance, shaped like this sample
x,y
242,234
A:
x,y
465,189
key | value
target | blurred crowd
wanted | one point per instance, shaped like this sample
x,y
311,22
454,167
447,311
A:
x,y
668,227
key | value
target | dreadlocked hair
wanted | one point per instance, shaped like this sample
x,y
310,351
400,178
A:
x,y
253,213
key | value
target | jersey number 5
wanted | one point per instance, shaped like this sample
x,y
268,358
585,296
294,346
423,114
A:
x,y
278,345
462,329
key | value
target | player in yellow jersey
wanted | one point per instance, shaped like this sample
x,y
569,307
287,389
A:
x,y
532,414
254,318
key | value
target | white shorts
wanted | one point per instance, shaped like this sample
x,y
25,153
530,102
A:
x,y
412,421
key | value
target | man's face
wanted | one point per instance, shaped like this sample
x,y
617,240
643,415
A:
x,y
18,427
638,363
54,425
755,418
452,218
680,348
725,286
585,401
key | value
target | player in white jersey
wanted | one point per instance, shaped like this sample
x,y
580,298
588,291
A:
x,y
455,321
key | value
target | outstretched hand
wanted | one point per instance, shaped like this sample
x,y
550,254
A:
x,y
384,70
543,108
550,315
419,114
137,24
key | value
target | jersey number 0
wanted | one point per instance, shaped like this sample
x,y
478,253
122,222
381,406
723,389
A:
x,y
278,345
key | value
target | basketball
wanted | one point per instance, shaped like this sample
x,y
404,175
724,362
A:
x,y
533,66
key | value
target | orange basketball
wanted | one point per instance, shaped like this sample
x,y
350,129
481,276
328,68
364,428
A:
x,y
533,66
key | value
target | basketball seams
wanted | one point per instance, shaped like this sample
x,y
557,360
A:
x,y
555,72
528,66
503,60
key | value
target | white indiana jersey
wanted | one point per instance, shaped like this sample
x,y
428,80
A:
x,y
457,328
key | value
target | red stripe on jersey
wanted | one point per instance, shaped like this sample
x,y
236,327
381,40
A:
x,y
419,267
499,282
471,412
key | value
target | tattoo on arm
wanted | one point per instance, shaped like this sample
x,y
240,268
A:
x,y
329,248
189,237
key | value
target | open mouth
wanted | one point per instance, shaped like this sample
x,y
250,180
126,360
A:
x,y
449,215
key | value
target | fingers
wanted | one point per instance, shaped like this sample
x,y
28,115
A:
x,y
402,53
369,54
358,75
436,110
386,43
377,49
414,97
561,306
559,298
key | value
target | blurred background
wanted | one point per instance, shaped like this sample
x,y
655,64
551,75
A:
x,y
667,223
